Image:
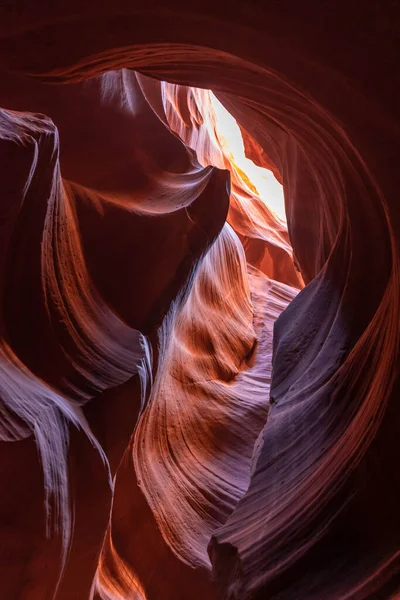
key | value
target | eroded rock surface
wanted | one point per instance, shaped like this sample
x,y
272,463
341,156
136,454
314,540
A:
x,y
164,432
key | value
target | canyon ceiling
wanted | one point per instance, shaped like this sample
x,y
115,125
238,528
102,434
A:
x,y
199,396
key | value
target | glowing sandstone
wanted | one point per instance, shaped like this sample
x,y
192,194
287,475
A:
x,y
315,91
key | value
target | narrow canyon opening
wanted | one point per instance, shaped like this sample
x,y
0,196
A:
x,y
257,205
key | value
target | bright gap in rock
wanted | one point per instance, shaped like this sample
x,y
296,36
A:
x,y
269,190
257,209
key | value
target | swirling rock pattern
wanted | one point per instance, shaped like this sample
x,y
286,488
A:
x,y
171,447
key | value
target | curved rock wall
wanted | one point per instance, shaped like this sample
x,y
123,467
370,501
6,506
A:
x,y
315,89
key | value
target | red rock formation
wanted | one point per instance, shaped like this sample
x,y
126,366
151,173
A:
x,y
116,306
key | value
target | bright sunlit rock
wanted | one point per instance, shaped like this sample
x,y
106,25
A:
x,y
268,188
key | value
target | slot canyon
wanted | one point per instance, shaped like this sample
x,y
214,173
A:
x,y
199,300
